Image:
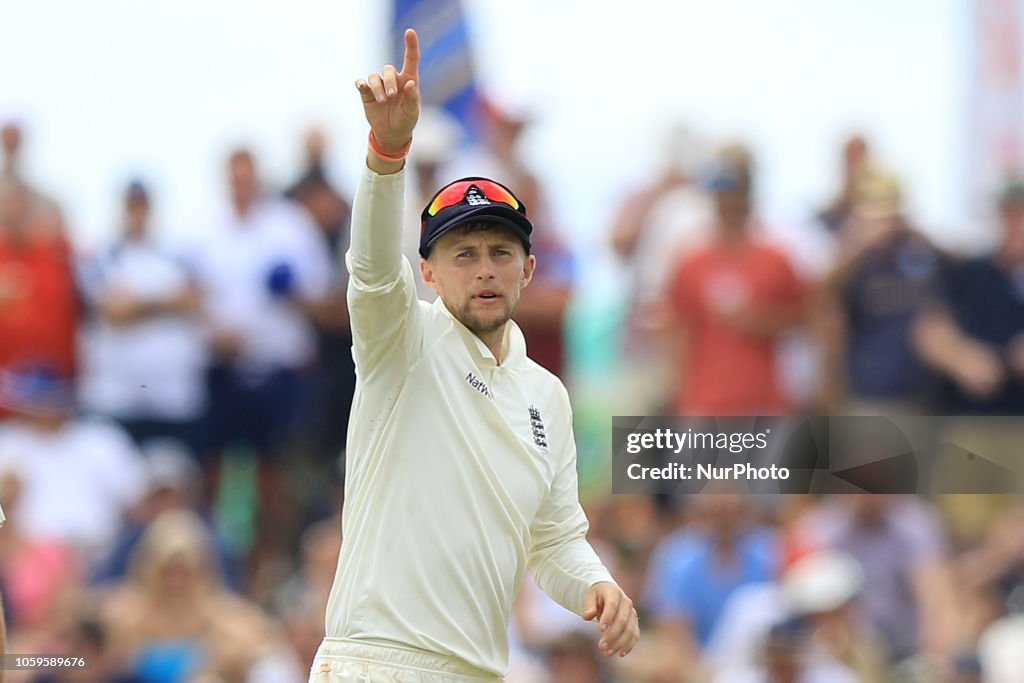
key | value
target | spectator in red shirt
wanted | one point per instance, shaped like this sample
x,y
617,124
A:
x,y
37,292
729,302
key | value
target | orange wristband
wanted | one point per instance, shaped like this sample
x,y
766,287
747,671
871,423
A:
x,y
376,149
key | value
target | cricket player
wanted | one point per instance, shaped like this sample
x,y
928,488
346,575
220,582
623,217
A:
x,y
461,468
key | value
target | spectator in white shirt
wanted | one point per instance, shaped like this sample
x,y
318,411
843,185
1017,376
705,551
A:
x,y
144,354
78,477
264,273
261,266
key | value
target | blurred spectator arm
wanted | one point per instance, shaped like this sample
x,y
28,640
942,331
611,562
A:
x,y
998,556
186,302
329,312
121,308
630,221
319,295
788,307
767,321
833,215
669,319
854,161
858,236
671,331
930,574
632,216
933,590
846,262
1015,355
829,326
972,364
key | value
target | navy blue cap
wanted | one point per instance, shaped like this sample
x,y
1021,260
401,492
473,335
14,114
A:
x,y
474,204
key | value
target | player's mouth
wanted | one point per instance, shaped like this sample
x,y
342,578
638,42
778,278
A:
x,y
487,296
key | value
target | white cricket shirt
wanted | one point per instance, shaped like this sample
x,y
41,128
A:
x,y
460,472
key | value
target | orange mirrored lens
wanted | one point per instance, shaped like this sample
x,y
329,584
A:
x,y
453,194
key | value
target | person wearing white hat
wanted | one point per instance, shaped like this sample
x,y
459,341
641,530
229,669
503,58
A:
x,y
819,589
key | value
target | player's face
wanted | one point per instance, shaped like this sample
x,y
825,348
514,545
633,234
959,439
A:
x,y
478,276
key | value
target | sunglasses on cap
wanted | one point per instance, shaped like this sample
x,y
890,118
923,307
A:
x,y
470,199
460,190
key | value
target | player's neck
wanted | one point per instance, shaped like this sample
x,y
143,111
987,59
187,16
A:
x,y
494,342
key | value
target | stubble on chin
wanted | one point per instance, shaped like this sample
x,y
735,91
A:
x,y
479,325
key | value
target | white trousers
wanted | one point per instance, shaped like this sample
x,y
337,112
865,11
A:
x,y
346,661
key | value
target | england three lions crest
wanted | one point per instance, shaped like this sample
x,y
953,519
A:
x,y
540,436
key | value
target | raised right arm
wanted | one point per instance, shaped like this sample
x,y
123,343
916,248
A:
x,y
382,293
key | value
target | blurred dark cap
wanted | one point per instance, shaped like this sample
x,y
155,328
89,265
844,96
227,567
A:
x,y
136,191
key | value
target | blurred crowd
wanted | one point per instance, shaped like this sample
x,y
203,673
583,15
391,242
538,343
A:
x,y
173,421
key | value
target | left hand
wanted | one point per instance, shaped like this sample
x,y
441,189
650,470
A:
x,y
617,618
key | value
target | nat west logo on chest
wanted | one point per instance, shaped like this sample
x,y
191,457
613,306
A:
x,y
479,385
540,437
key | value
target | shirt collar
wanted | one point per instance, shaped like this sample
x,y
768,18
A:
x,y
513,344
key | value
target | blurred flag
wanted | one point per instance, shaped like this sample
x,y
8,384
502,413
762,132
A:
x,y
997,99
446,60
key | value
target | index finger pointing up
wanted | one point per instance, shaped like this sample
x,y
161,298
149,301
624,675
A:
x,y
411,63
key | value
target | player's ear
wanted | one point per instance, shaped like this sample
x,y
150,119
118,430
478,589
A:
x,y
427,272
528,267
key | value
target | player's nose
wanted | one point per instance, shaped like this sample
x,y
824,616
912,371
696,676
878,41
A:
x,y
485,268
